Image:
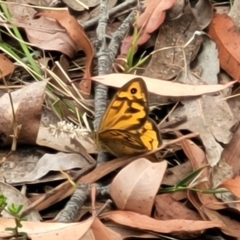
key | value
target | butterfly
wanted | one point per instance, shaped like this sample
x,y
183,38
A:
x,y
125,128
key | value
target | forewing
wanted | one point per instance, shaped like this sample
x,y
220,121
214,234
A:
x,y
128,109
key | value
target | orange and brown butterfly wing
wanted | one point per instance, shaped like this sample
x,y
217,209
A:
x,y
128,108
125,143
125,128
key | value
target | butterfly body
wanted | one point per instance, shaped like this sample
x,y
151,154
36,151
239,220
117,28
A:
x,y
125,128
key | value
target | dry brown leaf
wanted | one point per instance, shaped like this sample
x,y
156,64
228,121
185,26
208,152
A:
x,y
135,186
65,189
234,102
230,227
27,103
233,185
175,174
169,57
78,35
212,118
43,33
208,62
227,39
53,162
231,152
129,233
221,172
139,221
75,5
160,87
19,163
152,17
179,195
53,231
6,66
22,162
177,9
14,196
233,13
203,12
101,232
55,41
166,207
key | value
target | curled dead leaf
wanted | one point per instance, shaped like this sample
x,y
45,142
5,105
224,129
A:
x,y
27,105
135,186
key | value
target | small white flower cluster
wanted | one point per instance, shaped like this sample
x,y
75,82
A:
x,y
68,129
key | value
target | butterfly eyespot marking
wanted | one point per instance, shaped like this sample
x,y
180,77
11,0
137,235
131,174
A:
x,y
133,90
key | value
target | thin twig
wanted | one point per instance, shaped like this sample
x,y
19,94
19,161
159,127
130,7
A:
x,y
15,126
119,35
71,209
104,67
126,5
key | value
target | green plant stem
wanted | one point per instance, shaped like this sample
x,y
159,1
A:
x,y
183,188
